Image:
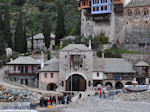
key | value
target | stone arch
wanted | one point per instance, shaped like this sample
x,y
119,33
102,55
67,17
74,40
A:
x,y
95,83
129,12
145,12
137,12
129,83
51,87
78,83
119,85
76,73
109,84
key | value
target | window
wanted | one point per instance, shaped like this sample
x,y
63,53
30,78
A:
x,y
21,81
93,8
52,75
145,12
26,69
97,9
89,83
32,68
62,83
102,8
14,68
45,75
129,12
105,7
97,74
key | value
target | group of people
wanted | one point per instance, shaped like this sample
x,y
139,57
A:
x,y
45,101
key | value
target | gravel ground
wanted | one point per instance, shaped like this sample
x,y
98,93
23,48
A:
x,y
93,104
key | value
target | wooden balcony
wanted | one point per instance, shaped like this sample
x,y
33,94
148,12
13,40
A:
x,y
118,1
83,4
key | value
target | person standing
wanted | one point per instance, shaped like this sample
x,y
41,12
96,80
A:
x,y
100,93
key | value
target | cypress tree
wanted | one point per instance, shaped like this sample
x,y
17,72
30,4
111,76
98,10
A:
x,y
60,28
25,40
32,43
46,32
7,32
2,40
19,36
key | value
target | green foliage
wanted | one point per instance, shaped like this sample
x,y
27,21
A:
x,y
7,32
20,2
57,47
121,51
25,40
2,39
20,44
109,54
48,55
60,28
100,39
32,43
41,5
46,32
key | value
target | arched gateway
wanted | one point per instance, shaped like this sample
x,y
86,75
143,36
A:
x,y
78,83
51,87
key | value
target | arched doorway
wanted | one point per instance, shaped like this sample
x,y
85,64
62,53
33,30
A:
x,y
109,84
129,83
78,83
119,85
51,87
95,83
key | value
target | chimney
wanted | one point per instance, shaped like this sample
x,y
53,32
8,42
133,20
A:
x,y
90,45
102,61
42,60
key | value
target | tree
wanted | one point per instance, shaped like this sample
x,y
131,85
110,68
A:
x,y
46,32
100,39
32,43
2,40
20,2
60,28
7,32
25,40
19,36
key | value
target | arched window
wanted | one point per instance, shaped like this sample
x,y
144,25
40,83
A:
x,y
137,12
129,12
145,12
89,83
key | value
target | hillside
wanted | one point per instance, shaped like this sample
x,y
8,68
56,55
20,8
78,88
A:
x,y
35,10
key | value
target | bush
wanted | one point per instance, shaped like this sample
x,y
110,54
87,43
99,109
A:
x,y
20,2
109,54
48,55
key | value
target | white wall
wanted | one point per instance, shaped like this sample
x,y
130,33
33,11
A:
x,y
101,76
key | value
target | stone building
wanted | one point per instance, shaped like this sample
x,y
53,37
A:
x,y
137,23
24,70
142,73
126,20
38,42
76,62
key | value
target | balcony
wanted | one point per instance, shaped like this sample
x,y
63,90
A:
x,y
118,1
101,6
84,4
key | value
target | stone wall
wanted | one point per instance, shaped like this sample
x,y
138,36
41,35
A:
x,y
64,66
127,29
92,28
